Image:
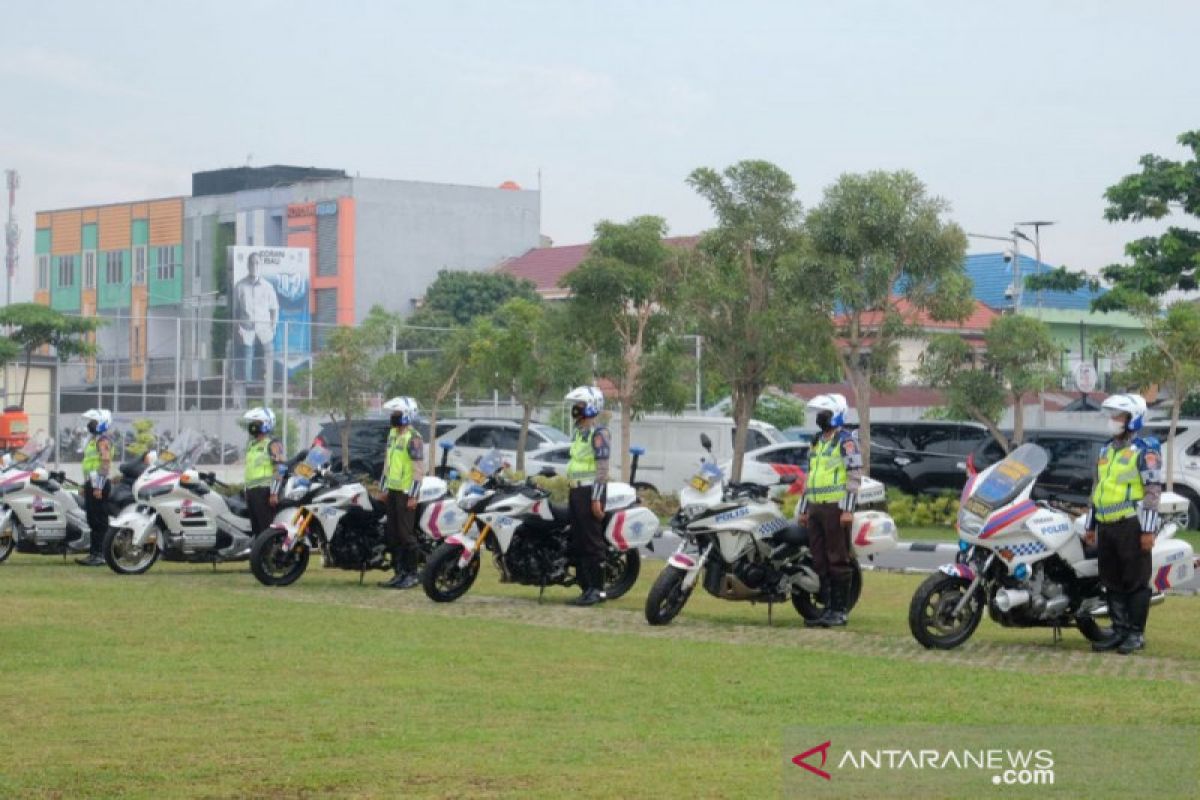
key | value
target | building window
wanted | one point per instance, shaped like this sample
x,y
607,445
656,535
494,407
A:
x,y
89,269
43,272
139,265
327,245
326,314
114,268
166,263
66,271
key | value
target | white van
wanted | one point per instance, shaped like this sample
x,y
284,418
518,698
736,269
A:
x,y
672,445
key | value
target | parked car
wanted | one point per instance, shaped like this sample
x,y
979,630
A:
x,y
368,443
1073,455
923,457
472,438
1186,462
767,465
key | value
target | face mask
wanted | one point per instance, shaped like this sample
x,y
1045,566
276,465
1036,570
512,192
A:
x,y
1116,426
255,428
576,412
397,421
825,420
92,426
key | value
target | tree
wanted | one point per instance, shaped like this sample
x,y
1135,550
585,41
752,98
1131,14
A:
x,y
1021,352
467,295
144,439
746,291
1172,359
622,309
342,374
32,326
534,357
948,363
779,409
875,237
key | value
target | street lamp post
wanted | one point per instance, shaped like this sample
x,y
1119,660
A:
x,y
1037,245
1016,259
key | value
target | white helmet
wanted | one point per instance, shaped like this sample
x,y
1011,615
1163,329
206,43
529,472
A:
x,y
404,408
101,416
591,398
1132,404
835,404
265,418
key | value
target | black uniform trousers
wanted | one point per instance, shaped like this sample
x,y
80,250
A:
x,y
829,541
1124,566
401,537
258,506
97,516
587,538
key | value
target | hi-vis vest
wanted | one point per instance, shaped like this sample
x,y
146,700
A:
x,y
400,469
259,469
827,471
1118,484
91,456
582,466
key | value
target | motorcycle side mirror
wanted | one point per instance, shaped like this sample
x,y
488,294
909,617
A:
x,y
786,479
547,472
706,442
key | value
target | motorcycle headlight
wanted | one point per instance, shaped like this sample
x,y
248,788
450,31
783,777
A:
x,y
969,524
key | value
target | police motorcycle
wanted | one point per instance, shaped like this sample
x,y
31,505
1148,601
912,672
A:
x,y
738,543
38,514
1025,562
337,516
177,514
529,536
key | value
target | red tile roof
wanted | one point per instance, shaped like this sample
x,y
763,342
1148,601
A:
x,y
979,320
546,266
903,397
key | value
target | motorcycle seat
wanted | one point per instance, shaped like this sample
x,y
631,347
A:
x,y
237,505
793,534
561,513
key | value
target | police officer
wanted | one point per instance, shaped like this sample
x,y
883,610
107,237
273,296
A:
x,y
266,467
403,469
1128,473
827,507
587,475
97,461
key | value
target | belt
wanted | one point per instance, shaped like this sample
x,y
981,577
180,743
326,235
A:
x,y
1108,511
580,483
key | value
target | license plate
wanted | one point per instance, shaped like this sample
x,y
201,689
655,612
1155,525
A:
x,y
477,477
699,484
977,507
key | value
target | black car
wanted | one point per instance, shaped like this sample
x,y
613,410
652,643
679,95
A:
x,y
1072,468
924,457
368,443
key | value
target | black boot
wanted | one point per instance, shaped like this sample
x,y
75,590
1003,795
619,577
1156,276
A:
x,y
397,568
839,601
822,599
1137,606
589,574
1119,614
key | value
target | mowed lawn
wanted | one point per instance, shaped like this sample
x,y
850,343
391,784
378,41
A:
x,y
190,683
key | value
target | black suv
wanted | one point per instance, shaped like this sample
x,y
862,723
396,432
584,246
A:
x,y
368,443
1072,468
921,457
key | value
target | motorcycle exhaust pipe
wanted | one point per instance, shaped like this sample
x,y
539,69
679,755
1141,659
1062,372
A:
x,y
1008,599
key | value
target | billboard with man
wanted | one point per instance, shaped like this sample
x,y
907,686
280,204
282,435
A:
x,y
270,301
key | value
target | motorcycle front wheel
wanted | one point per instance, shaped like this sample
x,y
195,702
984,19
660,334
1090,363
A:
x,y
8,540
271,565
811,606
931,616
443,580
124,557
620,572
667,596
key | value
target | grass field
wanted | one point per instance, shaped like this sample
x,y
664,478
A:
x,y
189,683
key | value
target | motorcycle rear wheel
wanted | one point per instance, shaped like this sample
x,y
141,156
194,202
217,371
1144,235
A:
x,y
273,567
443,580
667,596
123,557
8,541
620,572
809,605
929,614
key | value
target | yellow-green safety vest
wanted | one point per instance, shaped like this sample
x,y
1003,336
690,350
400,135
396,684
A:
x,y
582,466
827,471
91,456
259,469
400,468
1118,485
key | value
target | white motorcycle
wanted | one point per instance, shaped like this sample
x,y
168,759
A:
x,y
1025,562
338,517
37,513
529,536
177,514
747,549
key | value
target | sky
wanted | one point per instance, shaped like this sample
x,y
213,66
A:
x,y
1010,111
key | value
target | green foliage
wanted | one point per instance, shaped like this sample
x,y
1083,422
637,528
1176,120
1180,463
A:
x,y
780,410
31,326
341,375
9,350
871,233
922,510
461,296
222,329
144,439
1191,406
746,291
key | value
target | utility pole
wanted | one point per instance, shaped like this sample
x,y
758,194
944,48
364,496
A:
x,y
12,233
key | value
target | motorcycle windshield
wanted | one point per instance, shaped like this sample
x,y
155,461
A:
x,y
316,460
34,453
708,476
485,467
185,449
1005,482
